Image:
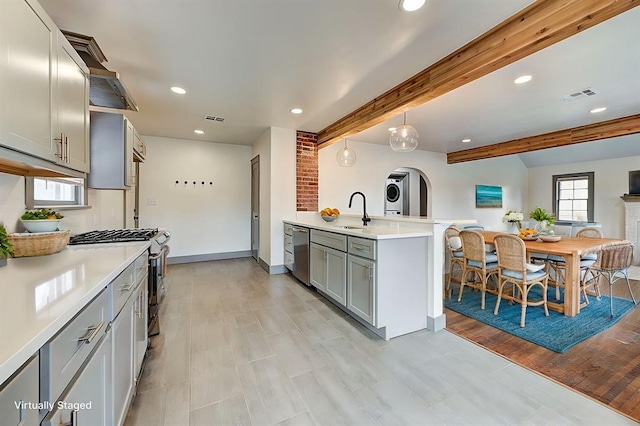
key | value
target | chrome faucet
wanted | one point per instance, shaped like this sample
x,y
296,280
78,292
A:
x,y
365,218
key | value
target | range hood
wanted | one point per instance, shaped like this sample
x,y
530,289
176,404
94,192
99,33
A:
x,y
105,87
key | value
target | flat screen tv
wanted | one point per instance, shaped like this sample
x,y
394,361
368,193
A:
x,y
634,182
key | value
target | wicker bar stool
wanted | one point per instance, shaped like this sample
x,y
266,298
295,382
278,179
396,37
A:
x,y
477,262
613,262
454,248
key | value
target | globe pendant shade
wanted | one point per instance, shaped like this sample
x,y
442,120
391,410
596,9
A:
x,y
404,138
346,157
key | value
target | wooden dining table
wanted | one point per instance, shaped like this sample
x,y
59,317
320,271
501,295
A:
x,y
571,249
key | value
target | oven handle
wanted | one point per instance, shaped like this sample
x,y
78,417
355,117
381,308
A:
x,y
159,255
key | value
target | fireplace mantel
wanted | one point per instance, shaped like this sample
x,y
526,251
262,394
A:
x,y
630,198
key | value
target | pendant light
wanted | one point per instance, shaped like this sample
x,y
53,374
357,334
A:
x,y
346,157
404,138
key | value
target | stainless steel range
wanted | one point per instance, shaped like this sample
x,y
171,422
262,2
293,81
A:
x,y
158,251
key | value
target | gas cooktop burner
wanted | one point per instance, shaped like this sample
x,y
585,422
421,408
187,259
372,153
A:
x,y
113,236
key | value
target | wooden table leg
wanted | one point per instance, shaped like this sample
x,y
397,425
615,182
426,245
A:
x,y
572,285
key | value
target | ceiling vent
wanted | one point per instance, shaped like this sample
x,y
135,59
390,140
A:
x,y
581,94
214,118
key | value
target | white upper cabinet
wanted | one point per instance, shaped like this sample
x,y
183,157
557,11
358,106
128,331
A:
x,y
44,102
26,42
71,110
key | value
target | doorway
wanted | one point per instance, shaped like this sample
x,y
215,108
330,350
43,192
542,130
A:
x,y
255,206
407,193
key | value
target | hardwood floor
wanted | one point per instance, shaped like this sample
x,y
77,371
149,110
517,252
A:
x,y
241,347
605,367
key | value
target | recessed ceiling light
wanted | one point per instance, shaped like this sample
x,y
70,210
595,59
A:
x,y
523,79
178,90
466,140
198,131
296,110
597,110
391,129
410,5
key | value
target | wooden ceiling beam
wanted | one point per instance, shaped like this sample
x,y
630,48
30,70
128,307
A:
x,y
541,24
603,130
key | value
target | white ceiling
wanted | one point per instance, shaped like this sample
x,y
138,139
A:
x,y
252,61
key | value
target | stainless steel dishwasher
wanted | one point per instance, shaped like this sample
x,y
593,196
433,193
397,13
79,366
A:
x,y
301,254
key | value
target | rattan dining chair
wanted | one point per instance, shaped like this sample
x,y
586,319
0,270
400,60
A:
x,y
477,263
613,261
558,266
512,270
454,248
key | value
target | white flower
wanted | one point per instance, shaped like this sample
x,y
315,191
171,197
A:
x,y
513,216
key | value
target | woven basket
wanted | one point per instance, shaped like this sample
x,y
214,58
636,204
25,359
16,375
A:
x,y
38,244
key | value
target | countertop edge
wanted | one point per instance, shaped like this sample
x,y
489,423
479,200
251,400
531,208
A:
x,y
407,233
13,364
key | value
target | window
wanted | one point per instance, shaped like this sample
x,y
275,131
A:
x,y
573,197
56,192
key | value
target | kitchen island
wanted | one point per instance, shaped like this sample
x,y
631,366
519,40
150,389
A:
x,y
379,274
42,302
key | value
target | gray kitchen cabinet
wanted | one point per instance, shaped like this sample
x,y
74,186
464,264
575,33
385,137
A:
x,y
112,138
21,388
328,272
123,347
361,285
44,91
140,331
71,108
91,388
26,80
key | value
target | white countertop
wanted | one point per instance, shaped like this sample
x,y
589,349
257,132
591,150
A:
x,y
39,295
377,231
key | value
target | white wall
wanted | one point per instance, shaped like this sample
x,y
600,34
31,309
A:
x,y
106,212
202,219
452,186
611,179
277,150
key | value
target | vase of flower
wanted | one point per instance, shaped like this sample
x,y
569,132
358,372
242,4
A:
x,y
544,221
513,219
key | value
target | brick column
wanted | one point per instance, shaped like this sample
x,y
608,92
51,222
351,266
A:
x,y
306,171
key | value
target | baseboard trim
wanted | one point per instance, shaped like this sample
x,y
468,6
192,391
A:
x,y
437,323
207,257
272,270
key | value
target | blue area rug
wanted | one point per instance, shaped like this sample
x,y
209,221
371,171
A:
x,y
556,332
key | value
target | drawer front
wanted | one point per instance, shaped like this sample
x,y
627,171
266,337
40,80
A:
x,y
122,288
362,247
62,357
23,387
329,239
288,229
288,243
288,260
142,266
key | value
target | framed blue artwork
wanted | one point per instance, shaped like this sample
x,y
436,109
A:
x,y
488,196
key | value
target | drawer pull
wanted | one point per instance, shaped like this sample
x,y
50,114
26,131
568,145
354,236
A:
x,y
127,287
72,419
359,247
92,332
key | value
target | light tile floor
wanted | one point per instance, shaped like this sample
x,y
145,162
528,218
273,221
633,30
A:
x,y
240,347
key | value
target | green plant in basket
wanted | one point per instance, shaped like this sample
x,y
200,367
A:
x,y
6,250
41,214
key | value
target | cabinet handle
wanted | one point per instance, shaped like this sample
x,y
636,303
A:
x,y
72,420
66,149
21,414
358,247
370,274
325,255
92,332
60,154
127,287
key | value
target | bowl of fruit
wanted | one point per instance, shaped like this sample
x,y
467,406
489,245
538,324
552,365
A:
x,y
528,234
329,215
41,220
